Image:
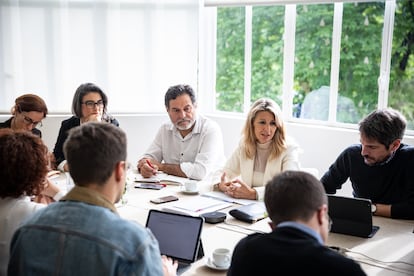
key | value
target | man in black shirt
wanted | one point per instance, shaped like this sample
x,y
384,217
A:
x,y
298,208
380,168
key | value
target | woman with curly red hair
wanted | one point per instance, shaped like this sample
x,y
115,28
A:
x,y
23,172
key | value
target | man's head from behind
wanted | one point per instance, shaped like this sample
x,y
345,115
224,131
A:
x,y
180,102
297,196
93,150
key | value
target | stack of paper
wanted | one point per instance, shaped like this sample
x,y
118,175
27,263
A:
x,y
196,206
222,196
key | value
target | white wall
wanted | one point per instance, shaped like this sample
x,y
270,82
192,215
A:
x,y
321,145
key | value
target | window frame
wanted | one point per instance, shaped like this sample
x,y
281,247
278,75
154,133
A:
x,y
208,69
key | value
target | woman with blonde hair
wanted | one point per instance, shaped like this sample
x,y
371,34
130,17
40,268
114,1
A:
x,y
263,152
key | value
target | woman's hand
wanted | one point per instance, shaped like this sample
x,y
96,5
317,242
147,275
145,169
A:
x,y
92,118
50,189
43,199
239,189
224,184
48,194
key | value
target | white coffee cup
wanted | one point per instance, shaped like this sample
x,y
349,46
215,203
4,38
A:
x,y
221,257
191,186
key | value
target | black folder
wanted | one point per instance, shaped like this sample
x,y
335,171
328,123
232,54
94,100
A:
x,y
250,213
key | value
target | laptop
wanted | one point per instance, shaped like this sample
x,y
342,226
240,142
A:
x,y
351,216
178,235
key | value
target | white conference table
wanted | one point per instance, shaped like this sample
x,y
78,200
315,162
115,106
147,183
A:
x,y
389,252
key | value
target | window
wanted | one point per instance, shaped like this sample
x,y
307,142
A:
x,y
312,64
401,87
237,83
230,59
332,62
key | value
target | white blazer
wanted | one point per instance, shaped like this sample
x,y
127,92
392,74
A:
x,y
238,166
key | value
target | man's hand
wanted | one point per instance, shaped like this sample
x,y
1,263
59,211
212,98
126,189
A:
x,y
169,266
147,167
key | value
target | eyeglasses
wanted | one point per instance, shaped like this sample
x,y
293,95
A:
x,y
128,165
28,121
329,223
92,104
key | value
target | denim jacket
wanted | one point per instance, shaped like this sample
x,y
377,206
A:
x,y
72,237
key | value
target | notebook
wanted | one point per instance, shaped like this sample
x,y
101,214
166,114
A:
x,y
196,206
178,235
351,216
162,178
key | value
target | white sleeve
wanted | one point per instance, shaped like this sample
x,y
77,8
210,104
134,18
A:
x,y
210,156
61,166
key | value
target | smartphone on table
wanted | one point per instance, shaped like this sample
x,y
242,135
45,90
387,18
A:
x,y
152,186
164,199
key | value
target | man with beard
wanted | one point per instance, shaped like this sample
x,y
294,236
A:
x,y
189,146
380,168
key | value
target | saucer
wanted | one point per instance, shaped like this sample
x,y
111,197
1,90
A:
x,y
211,265
189,193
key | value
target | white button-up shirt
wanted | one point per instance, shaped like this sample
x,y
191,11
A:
x,y
198,154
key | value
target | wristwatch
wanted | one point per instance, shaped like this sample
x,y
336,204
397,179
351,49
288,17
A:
x,y
373,208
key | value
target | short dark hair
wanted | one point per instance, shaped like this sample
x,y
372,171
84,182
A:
x,y
293,195
92,151
383,125
177,90
23,163
81,91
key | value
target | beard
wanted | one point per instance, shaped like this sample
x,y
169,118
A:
x,y
369,161
189,124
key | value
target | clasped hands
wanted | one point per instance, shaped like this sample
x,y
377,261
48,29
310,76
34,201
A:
x,y
236,188
92,118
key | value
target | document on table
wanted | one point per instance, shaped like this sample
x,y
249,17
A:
x,y
222,196
162,178
196,206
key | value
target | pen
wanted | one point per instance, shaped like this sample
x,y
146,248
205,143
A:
x,y
149,164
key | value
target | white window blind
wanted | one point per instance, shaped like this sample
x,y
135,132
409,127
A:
x,y
134,50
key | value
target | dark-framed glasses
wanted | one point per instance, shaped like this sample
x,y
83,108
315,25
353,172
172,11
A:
x,y
92,104
28,121
329,223
128,166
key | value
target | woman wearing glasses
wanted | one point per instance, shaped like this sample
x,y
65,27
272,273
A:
x,y
28,112
89,105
